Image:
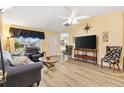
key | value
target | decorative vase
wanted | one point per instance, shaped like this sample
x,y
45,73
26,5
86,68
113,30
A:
x,y
48,58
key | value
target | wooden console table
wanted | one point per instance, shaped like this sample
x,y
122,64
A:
x,y
82,54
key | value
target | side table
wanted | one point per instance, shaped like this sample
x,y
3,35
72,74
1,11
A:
x,y
49,63
2,82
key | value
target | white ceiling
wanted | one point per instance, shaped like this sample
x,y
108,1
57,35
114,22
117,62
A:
x,y
45,17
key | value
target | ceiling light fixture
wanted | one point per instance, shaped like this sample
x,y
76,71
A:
x,y
73,18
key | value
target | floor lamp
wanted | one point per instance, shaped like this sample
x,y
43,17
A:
x,y
2,63
8,43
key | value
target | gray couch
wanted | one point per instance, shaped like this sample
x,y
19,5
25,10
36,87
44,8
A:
x,y
22,75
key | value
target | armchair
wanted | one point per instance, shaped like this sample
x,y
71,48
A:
x,y
112,56
33,53
68,51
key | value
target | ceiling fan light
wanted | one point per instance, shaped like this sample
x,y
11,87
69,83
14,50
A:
x,y
75,21
70,21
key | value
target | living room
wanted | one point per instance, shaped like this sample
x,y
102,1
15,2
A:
x,y
106,23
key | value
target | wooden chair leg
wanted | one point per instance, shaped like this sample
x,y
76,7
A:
x,y
113,67
110,65
101,64
38,84
118,67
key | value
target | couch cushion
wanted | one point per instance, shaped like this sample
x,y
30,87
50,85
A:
x,y
16,62
20,60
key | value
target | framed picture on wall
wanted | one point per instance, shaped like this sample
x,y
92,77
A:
x,y
105,36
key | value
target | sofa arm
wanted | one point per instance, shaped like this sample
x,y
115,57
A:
x,y
38,55
23,68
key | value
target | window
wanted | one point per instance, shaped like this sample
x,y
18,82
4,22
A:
x,y
21,43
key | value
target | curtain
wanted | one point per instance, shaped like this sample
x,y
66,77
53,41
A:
x,y
17,32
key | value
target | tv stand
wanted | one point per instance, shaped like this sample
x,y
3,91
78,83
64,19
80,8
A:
x,y
83,54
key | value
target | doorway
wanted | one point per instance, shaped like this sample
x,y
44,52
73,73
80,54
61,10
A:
x,y
52,45
64,39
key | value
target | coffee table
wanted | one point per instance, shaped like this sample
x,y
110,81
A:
x,y
49,63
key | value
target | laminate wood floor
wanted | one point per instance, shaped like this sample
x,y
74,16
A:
x,y
81,74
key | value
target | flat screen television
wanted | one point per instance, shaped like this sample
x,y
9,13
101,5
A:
x,y
85,42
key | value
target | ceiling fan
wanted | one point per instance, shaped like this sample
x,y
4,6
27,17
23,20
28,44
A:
x,y
73,19
4,8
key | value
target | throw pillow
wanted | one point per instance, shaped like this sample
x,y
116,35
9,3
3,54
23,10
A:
x,y
16,62
20,61
28,61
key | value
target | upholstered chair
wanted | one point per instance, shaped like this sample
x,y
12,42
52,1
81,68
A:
x,y
112,56
68,51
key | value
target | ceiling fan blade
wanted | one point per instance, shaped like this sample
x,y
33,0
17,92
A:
x,y
63,17
74,12
82,17
4,8
66,22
